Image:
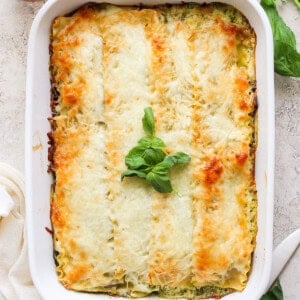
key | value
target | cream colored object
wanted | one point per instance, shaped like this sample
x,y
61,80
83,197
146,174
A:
x,y
15,280
6,203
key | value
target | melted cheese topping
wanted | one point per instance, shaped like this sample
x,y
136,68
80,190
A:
x,y
195,66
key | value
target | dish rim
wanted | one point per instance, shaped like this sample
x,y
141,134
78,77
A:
x,y
29,139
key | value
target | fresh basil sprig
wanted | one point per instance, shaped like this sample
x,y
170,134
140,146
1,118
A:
x,y
286,57
274,293
149,161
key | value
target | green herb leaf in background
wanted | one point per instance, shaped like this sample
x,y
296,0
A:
x,y
274,293
148,159
268,2
288,60
297,2
286,57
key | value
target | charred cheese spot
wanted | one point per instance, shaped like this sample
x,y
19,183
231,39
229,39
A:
x,y
71,94
243,105
241,158
158,44
78,272
242,84
66,149
231,41
212,171
108,98
207,261
58,214
230,29
86,12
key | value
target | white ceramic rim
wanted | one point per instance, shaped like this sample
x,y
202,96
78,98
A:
x,y
266,129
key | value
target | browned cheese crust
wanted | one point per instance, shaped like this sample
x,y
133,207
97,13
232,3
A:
x,y
195,66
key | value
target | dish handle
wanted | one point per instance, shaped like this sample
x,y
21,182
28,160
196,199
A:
x,y
282,254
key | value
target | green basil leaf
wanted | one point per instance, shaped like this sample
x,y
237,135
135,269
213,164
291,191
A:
x,y
274,293
131,173
287,60
281,32
166,164
159,177
153,156
160,181
134,159
286,57
161,168
148,121
171,160
297,2
268,2
179,158
148,160
153,142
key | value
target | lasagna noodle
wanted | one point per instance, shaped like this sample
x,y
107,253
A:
x,y
195,66
80,184
125,64
223,163
172,223
79,199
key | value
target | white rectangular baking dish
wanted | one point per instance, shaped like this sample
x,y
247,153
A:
x,y
38,181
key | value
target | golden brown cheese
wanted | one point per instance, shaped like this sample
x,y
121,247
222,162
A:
x,y
195,65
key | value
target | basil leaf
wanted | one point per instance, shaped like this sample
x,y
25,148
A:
x,y
134,159
286,57
179,158
268,2
173,159
281,31
160,180
131,173
148,121
287,60
153,142
148,160
297,2
153,156
274,293
159,177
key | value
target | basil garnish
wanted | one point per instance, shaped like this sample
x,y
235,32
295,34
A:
x,y
148,121
148,159
274,293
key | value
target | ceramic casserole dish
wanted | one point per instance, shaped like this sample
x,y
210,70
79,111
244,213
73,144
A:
x,y
38,180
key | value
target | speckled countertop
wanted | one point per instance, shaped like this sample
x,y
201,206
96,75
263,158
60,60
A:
x,y
15,20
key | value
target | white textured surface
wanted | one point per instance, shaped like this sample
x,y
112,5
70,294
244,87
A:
x,y
6,204
15,20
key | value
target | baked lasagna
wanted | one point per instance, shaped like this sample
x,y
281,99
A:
x,y
195,66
